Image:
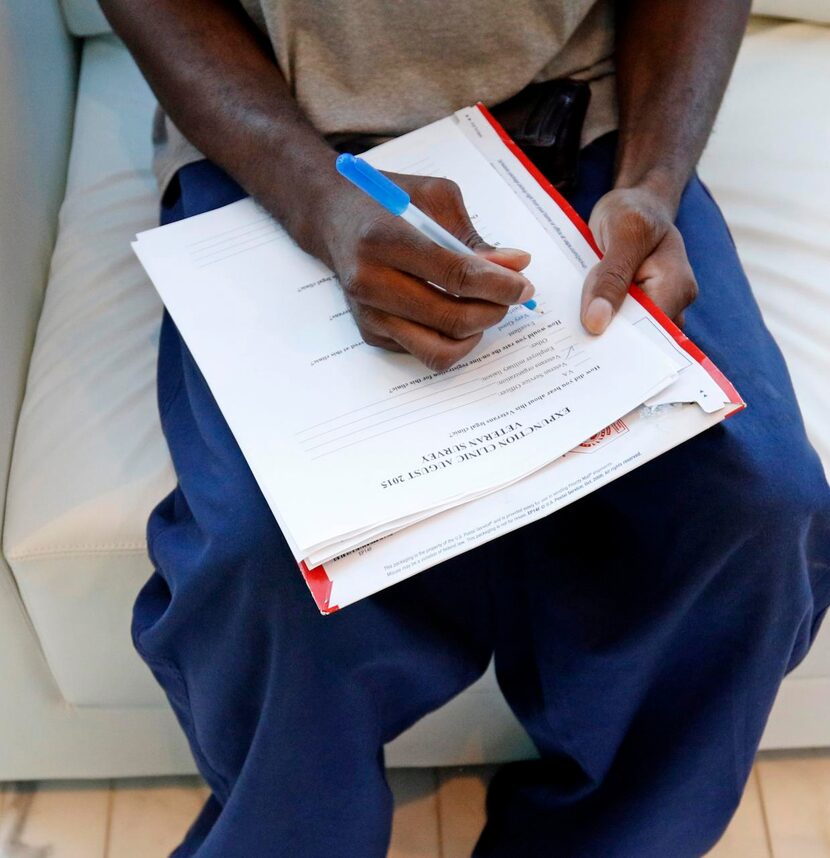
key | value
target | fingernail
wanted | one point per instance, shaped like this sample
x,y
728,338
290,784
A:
x,y
598,315
527,293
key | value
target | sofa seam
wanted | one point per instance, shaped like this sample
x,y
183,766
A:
x,y
121,548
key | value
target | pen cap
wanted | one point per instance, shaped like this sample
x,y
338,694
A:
x,y
373,182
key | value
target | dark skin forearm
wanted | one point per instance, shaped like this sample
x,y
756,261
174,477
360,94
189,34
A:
x,y
673,63
215,76
217,79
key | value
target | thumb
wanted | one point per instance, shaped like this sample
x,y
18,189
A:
x,y
605,288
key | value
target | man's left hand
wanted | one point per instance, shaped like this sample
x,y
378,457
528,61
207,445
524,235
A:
x,y
634,229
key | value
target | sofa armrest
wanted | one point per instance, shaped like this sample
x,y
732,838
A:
x,y
817,11
38,71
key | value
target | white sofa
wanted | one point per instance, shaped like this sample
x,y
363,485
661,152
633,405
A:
x,y
83,451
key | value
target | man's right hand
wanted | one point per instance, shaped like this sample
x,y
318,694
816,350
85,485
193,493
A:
x,y
216,78
386,268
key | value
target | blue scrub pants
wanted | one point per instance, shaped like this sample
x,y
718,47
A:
x,y
640,634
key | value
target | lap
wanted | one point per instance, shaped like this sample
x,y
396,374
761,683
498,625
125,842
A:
x,y
759,458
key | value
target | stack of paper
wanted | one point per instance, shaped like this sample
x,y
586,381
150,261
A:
x,y
376,468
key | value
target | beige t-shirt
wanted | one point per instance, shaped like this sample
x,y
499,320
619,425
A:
x,y
385,67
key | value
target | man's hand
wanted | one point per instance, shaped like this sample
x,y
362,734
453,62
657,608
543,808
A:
x,y
215,76
672,61
386,268
634,229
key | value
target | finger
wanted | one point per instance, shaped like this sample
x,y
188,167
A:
x,y
604,290
371,335
398,245
509,257
628,243
443,201
667,277
432,348
673,290
402,295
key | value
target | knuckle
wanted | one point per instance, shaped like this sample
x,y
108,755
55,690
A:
x,y
370,338
458,275
637,221
440,356
613,281
368,333
348,281
461,227
439,195
372,236
370,327
497,314
440,186
691,290
354,284
457,323
640,228
371,320
452,192
439,359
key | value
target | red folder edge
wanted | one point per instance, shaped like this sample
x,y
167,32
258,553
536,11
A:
x,y
320,586
317,578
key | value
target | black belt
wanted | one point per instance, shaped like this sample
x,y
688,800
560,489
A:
x,y
546,120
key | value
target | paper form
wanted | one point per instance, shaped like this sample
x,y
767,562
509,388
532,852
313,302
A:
x,y
646,432
625,445
348,441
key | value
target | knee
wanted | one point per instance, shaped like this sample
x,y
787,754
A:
x,y
214,554
767,508
779,493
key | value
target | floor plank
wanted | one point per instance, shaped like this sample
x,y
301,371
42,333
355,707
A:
x,y
785,813
151,816
461,794
415,831
746,836
55,820
796,795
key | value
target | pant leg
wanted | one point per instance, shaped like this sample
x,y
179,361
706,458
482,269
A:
x,y
286,711
644,630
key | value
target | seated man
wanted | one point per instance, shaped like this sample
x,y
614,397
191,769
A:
x,y
640,634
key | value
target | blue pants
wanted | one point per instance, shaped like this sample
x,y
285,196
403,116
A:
x,y
640,634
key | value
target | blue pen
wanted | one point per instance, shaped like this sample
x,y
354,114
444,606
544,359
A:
x,y
396,200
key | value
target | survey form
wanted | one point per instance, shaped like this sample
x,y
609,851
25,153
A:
x,y
349,442
699,398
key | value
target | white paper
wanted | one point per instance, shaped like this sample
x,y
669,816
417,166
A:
x,y
345,439
622,447
665,421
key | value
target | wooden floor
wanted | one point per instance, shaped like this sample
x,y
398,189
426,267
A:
x,y
785,813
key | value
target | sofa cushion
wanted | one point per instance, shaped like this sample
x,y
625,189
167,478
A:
x,y
767,164
90,461
84,17
803,10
